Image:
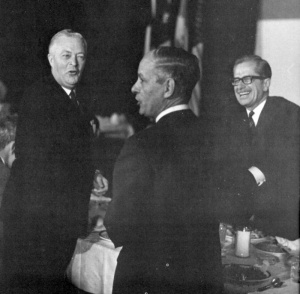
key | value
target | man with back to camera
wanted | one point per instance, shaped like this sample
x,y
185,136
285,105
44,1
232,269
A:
x,y
46,206
159,211
7,157
263,140
7,150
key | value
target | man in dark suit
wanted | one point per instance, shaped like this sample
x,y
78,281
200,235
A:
x,y
46,208
265,147
7,149
159,211
7,157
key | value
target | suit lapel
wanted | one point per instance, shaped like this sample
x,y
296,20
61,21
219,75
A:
x,y
62,99
267,116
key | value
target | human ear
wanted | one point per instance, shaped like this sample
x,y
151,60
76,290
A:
x,y
50,59
169,88
267,83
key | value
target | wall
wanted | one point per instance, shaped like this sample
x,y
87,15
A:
x,y
278,41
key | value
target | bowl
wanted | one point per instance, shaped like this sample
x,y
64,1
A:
x,y
243,278
245,274
268,247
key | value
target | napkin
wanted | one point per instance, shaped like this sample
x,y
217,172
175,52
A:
x,y
293,247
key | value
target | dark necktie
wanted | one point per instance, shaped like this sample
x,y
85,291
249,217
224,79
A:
x,y
73,98
251,121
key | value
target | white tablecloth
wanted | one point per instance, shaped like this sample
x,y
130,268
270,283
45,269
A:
x,y
94,262
93,265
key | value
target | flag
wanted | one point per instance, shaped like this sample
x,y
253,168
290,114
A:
x,y
160,31
178,23
189,36
196,43
181,30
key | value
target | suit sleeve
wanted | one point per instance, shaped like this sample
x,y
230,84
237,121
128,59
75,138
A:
x,y
281,156
132,188
232,185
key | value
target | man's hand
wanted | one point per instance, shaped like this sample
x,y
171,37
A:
x,y
95,123
99,199
100,184
100,188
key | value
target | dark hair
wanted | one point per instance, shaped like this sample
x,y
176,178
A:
x,y
262,66
68,33
7,130
181,66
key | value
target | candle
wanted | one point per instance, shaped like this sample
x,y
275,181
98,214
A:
x,y
242,247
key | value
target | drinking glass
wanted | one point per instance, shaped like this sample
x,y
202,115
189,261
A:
x,y
222,233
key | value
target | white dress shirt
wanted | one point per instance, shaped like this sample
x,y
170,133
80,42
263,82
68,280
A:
x,y
257,111
255,171
171,109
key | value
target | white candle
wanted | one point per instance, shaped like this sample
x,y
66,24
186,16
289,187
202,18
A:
x,y
242,246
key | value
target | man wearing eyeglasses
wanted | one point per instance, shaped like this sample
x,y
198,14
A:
x,y
263,138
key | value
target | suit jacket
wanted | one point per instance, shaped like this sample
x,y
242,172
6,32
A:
x,y
46,202
274,149
4,175
160,212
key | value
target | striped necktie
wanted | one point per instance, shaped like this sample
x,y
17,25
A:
x,y
251,121
73,98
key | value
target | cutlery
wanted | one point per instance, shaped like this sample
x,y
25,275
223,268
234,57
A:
x,y
276,283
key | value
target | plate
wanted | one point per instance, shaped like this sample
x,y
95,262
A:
x,y
270,248
270,258
243,274
257,236
258,240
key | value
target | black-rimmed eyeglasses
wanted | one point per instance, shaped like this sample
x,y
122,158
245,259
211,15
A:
x,y
247,80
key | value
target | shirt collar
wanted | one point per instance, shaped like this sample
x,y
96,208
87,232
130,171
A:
x,y
257,111
171,109
68,91
1,158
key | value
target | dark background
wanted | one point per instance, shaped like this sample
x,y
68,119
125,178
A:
x,y
114,30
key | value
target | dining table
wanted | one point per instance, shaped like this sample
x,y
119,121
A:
x,y
94,262
277,267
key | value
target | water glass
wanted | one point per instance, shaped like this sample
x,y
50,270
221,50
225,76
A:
x,y
295,271
222,233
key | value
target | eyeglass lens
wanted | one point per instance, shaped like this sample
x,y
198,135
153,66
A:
x,y
246,80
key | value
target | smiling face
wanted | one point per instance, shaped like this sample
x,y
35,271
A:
x,y
67,59
150,93
250,96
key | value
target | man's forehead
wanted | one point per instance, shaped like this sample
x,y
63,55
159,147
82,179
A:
x,y
147,61
247,67
66,43
147,64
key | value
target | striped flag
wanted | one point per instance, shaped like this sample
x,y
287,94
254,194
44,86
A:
x,y
181,31
178,23
189,36
160,32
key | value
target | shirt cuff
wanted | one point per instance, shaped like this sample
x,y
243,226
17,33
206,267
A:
x,y
258,175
